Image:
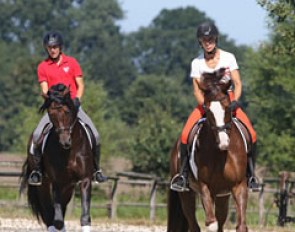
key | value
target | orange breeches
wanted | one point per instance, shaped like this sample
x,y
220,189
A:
x,y
197,114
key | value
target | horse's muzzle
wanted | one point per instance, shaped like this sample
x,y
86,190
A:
x,y
65,141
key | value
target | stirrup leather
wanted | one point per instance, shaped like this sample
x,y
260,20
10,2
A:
x,y
174,184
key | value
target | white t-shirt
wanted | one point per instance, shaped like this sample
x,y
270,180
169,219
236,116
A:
x,y
226,60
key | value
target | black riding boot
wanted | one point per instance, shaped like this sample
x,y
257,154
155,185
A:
x,y
98,175
179,182
35,177
253,183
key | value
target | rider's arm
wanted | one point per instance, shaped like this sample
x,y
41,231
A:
x,y
44,88
198,92
80,87
235,76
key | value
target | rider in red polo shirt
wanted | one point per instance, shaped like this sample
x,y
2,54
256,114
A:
x,y
59,68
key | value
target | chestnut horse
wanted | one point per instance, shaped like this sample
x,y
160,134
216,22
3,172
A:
x,y
67,160
218,161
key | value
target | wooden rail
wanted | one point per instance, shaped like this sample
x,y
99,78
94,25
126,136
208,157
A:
x,y
154,183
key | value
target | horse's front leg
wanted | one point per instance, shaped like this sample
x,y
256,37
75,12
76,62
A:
x,y
85,189
240,195
58,220
208,205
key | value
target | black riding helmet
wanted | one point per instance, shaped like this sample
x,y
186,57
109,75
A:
x,y
52,39
207,29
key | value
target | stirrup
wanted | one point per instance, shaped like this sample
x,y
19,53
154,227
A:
x,y
253,184
35,178
175,186
98,177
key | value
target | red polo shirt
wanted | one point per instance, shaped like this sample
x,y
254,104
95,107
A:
x,y
64,73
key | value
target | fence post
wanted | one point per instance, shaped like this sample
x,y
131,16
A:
x,y
113,203
153,201
261,205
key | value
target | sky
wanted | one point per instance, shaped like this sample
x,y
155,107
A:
x,y
244,21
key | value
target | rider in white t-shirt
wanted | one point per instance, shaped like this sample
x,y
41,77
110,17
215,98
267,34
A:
x,y
212,59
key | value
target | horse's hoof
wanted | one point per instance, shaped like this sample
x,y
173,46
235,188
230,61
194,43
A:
x,y
213,227
53,229
85,228
59,225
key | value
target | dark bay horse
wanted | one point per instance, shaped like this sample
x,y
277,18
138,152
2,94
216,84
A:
x,y
67,159
218,162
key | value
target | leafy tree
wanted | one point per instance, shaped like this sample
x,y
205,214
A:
x,y
152,141
97,42
17,89
155,106
271,88
90,34
282,14
150,90
169,44
105,116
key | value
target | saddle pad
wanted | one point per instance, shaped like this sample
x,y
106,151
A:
x,y
48,129
194,142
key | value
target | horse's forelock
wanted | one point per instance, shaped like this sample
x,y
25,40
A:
x,y
58,93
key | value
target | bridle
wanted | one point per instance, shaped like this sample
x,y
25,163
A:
x,y
60,130
227,126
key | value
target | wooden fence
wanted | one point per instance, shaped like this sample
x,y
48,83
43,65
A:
x,y
281,190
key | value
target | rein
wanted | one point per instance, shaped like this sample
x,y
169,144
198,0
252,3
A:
x,y
55,97
62,129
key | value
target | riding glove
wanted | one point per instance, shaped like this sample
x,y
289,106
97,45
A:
x,y
77,103
233,105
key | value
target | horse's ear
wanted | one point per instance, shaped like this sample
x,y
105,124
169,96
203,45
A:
x,y
220,73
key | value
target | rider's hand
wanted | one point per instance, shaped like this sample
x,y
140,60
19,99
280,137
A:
x,y
233,105
44,95
77,103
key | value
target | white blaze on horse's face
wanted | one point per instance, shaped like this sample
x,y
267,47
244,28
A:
x,y
219,115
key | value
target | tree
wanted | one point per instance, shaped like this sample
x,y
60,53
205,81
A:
x,y
153,106
90,34
271,88
167,46
153,140
97,42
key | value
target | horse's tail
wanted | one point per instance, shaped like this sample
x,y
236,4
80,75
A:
x,y
176,219
32,191
23,178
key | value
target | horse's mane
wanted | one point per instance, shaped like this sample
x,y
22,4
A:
x,y
212,82
57,93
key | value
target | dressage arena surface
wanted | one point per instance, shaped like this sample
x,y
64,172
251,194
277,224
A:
x,y
29,225
26,225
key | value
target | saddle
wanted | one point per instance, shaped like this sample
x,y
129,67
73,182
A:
x,y
48,129
193,141
194,134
